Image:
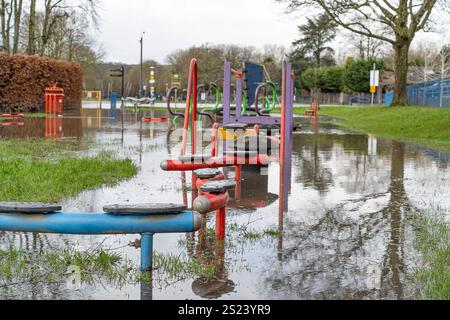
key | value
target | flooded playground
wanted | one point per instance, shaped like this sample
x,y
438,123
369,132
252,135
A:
x,y
348,233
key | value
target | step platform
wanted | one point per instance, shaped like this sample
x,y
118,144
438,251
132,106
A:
x,y
207,173
29,207
195,158
241,153
218,187
144,209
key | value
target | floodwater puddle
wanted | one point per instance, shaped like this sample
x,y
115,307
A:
x,y
347,233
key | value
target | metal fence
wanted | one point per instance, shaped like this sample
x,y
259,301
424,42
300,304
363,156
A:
x,y
433,93
325,98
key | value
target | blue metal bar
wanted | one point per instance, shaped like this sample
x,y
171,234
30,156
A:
x,y
146,251
100,223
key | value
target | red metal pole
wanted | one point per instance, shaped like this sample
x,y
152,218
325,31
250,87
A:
x,y
220,223
238,178
220,162
209,202
192,88
214,140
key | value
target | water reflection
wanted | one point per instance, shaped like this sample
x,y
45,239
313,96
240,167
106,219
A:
x,y
344,236
353,250
210,252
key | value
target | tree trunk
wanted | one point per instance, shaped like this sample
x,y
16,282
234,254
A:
x,y
5,17
31,49
18,6
401,49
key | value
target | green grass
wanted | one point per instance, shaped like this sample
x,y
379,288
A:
x,y
47,171
419,125
21,267
433,242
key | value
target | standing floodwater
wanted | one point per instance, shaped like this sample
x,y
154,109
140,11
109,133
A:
x,y
348,233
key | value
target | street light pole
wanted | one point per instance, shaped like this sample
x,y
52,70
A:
x,y
141,83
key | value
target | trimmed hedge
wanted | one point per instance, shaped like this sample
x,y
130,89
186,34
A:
x,y
23,80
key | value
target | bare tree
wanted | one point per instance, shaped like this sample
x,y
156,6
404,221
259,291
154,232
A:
x,y
424,62
444,57
399,23
366,47
6,15
31,47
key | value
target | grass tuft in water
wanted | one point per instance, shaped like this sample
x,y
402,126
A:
x,y
46,171
433,242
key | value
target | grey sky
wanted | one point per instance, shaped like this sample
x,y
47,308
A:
x,y
179,24
174,24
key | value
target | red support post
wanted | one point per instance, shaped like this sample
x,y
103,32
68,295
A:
x,y
221,223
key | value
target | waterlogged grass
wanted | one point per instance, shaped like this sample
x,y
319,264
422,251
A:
x,y
48,171
433,242
419,125
20,267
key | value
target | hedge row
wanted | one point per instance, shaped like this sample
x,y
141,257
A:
x,y
23,80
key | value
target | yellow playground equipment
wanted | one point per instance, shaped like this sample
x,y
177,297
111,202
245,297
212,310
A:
x,y
92,96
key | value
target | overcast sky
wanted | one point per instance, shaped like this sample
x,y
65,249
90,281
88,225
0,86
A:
x,y
175,24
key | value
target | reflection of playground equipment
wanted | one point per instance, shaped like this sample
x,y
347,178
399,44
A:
x,y
155,120
145,220
212,253
137,102
54,98
13,120
248,196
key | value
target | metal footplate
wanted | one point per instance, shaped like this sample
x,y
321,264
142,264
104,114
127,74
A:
x,y
195,158
241,153
144,209
218,187
207,173
29,207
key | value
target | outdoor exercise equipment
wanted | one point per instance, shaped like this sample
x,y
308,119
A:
x,y
146,220
54,98
238,121
314,111
175,115
215,197
93,95
214,194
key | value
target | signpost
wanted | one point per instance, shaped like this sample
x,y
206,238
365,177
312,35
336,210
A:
x,y
119,73
374,82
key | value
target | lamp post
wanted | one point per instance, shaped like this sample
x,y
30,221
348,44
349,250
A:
x,y
141,82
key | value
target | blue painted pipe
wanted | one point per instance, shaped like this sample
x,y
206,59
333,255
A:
x,y
146,251
101,223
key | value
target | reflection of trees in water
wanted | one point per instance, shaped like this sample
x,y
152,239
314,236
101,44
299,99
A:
x,y
346,155
343,257
310,168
